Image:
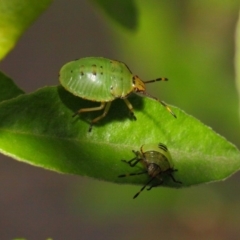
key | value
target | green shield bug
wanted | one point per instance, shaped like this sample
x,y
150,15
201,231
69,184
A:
x,y
157,161
103,80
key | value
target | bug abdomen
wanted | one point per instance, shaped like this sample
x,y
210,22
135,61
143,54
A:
x,y
96,79
157,158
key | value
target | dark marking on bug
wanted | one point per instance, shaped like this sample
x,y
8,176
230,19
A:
x,y
94,70
133,80
163,147
82,70
101,69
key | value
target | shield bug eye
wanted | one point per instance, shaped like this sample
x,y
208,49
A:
x,y
103,80
156,160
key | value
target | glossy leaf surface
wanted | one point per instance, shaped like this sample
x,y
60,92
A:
x,y
38,129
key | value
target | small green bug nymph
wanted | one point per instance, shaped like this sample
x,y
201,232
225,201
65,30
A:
x,y
103,80
157,161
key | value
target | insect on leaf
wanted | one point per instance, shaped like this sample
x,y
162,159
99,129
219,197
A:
x,y
44,134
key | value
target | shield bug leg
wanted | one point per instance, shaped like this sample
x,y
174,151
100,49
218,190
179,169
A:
x,y
106,109
167,107
89,109
103,105
130,107
161,180
155,185
163,103
132,162
172,177
143,92
150,187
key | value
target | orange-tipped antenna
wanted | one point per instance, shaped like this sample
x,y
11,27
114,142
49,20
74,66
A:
x,y
156,80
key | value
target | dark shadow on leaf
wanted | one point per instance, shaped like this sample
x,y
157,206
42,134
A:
x,y
117,112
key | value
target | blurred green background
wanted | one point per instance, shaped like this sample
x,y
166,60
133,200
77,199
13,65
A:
x,y
191,43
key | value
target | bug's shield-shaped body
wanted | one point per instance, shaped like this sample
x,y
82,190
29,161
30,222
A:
x,y
97,79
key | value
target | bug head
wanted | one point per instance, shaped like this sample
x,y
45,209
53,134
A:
x,y
138,84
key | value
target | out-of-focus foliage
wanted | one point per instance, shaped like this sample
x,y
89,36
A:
x,y
15,18
237,58
8,88
191,43
123,12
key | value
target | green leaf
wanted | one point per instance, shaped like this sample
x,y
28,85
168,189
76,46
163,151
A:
x,y
15,18
8,88
38,129
124,12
